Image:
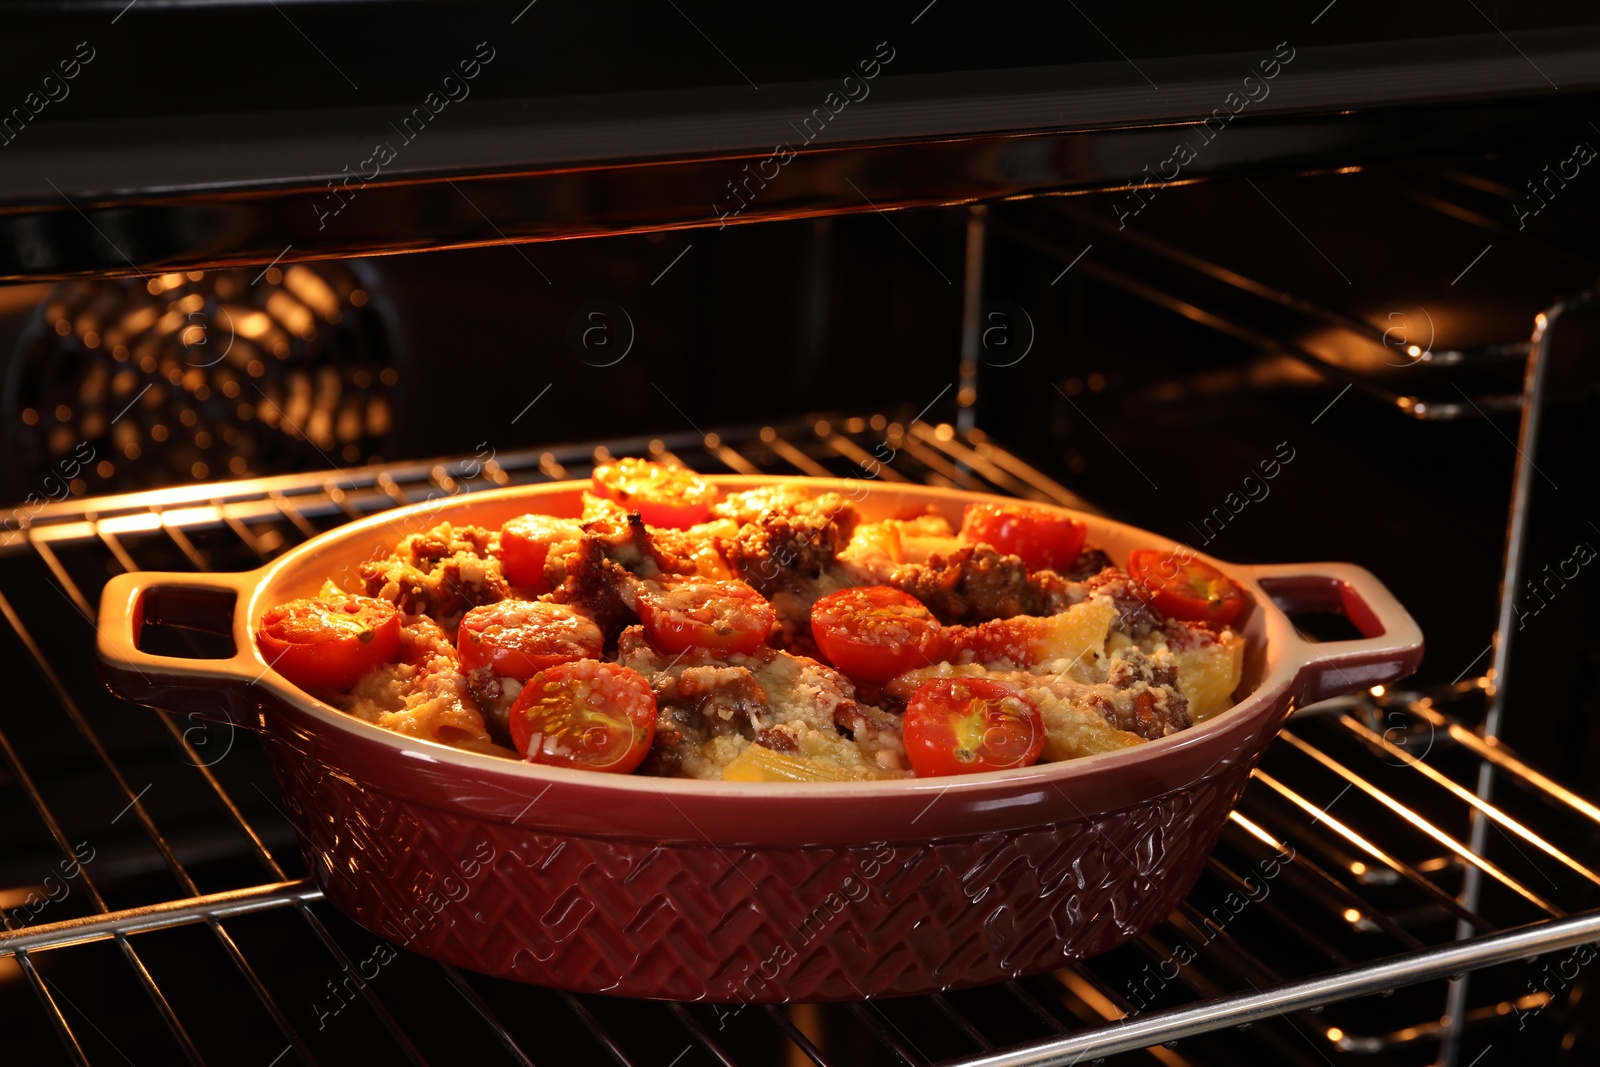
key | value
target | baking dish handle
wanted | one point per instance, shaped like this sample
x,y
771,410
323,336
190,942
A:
x,y
1389,649
220,689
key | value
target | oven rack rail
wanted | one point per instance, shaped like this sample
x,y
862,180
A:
x,y
971,460
1233,302
1080,1011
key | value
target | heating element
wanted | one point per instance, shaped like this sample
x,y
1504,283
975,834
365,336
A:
x,y
156,906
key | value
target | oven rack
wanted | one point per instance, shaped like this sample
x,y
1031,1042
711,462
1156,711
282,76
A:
x,y
1373,795
1315,329
1236,305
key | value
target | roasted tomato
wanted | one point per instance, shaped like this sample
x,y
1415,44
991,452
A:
x,y
966,725
1041,538
588,714
1188,589
686,613
321,644
662,494
873,633
524,546
520,638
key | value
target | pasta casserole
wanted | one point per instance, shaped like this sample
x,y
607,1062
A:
x,y
770,634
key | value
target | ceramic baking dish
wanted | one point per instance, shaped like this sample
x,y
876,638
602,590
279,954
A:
x,y
734,892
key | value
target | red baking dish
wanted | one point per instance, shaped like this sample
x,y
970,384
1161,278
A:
x,y
733,892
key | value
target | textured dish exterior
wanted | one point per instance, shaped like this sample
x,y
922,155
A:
x,y
655,888
687,921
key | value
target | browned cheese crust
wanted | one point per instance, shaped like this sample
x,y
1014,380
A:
x,y
710,706
713,706
440,573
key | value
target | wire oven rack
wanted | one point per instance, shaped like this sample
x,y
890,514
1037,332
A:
x,y
155,906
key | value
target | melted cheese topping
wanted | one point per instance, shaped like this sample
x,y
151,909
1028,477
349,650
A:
x,y
423,695
1078,666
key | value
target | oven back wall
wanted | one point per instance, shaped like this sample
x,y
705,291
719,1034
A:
x,y
670,332
509,347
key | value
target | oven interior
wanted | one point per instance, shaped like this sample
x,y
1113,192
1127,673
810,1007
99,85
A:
x,y
1367,327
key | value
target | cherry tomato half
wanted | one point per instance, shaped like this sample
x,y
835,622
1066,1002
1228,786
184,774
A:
x,y
702,613
588,714
873,633
520,638
525,544
662,494
1188,589
318,644
1041,538
966,725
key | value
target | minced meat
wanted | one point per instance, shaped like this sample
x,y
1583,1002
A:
x,y
976,583
783,545
440,573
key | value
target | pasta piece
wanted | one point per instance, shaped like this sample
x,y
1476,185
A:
x,y
757,763
1077,634
924,536
896,541
423,695
1069,642
874,543
1208,674
1071,731
439,713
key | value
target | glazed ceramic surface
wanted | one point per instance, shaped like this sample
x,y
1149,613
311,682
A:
x,y
741,892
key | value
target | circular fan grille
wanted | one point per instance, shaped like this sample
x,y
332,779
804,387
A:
x,y
136,383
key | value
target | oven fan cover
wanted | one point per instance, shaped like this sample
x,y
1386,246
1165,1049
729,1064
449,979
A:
x,y
133,383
